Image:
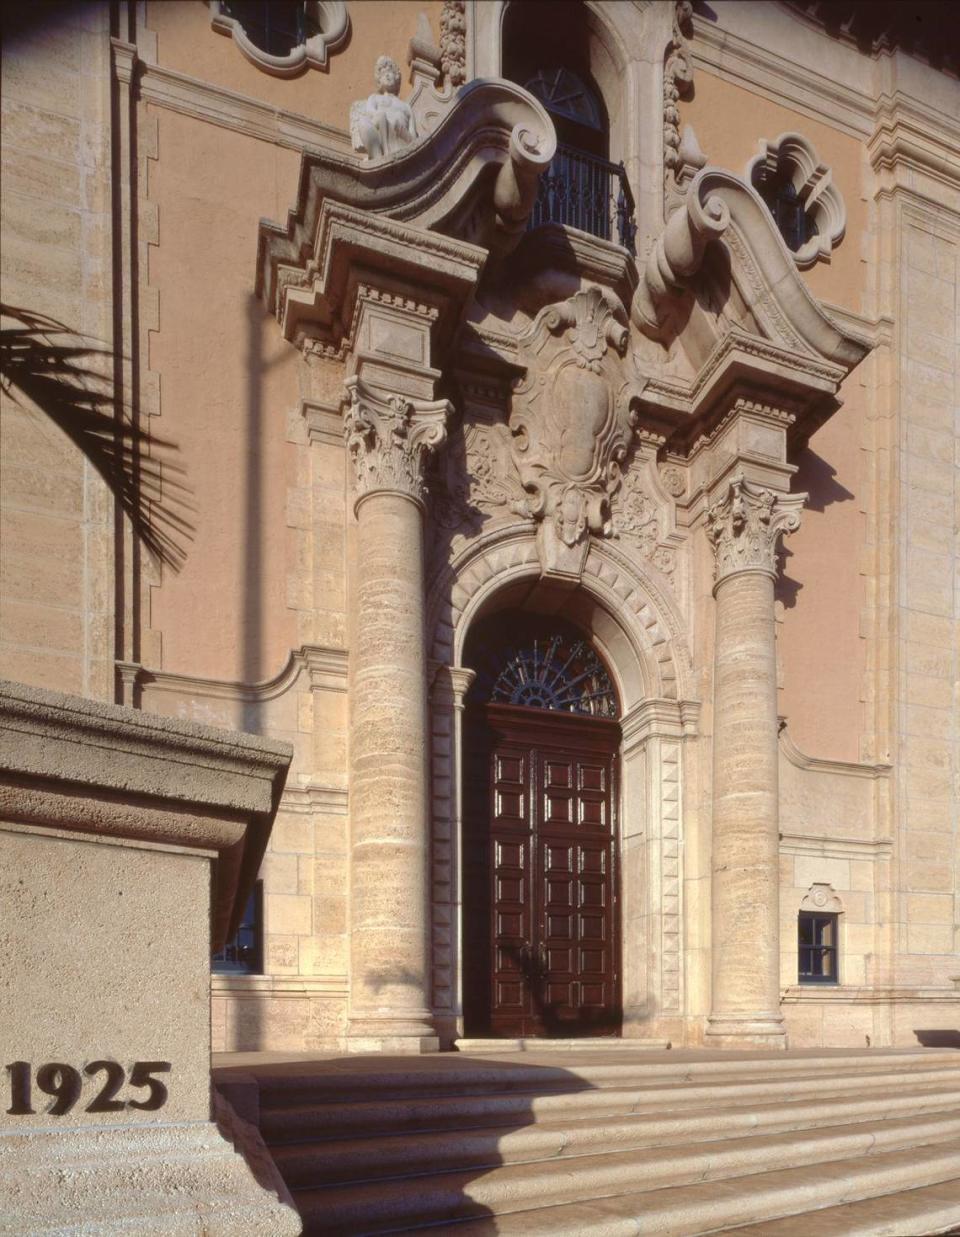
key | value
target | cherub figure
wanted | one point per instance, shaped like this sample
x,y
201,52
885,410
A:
x,y
382,124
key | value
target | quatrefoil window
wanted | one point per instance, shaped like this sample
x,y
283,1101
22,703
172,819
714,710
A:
x,y
283,37
800,194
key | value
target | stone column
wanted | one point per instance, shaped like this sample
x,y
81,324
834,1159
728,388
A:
x,y
388,439
744,527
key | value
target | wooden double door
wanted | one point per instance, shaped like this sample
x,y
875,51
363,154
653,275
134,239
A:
x,y
541,915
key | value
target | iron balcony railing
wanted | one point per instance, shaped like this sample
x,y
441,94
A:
x,y
582,191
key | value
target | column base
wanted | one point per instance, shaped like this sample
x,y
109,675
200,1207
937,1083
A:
x,y
756,1031
409,1032
397,1045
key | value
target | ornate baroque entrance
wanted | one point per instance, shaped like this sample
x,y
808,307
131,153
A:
x,y
541,880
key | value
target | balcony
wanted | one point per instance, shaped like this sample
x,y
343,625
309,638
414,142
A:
x,y
585,192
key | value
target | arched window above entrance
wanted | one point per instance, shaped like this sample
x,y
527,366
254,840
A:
x,y
539,663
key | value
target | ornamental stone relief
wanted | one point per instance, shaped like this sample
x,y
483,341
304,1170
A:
x,y
572,423
745,525
383,124
637,519
390,438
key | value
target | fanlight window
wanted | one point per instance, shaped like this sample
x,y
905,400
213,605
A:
x,y
557,672
564,94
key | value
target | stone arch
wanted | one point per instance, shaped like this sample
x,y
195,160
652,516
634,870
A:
x,y
645,623
626,610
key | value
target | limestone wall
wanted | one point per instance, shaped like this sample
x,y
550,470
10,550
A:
x,y
56,519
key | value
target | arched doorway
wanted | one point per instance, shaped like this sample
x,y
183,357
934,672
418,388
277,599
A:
x,y
541,929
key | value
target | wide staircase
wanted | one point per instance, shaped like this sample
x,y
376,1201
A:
x,y
615,1142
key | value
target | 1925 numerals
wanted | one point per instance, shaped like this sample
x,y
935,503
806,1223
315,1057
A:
x,y
65,1085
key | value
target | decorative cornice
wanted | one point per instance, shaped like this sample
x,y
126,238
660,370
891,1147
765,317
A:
x,y
389,438
659,719
326,667
815,764
324,422
745,525
773,76
834,848
178,92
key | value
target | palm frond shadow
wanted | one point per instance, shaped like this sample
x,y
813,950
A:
x,y
68,377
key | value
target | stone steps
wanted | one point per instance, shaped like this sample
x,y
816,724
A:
x,y
665,1143
396,1155
798,1195
295,1123
383,1206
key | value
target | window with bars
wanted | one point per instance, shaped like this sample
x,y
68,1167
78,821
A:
x,y
817,941
243,955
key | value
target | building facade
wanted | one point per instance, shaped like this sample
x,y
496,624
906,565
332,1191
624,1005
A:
x,y
553,438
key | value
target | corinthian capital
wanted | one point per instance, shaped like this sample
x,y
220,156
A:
x,y
389,439
745,525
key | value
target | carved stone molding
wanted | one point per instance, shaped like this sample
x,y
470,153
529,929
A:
x,y
389,438
745,525
383,125
677,81
453,42
822,898
793,158
572,422
333,24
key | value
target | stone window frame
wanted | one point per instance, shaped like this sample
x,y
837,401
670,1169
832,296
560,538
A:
x,y
332,18
793,158
822,900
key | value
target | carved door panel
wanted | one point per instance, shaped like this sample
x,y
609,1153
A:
x,y
540,907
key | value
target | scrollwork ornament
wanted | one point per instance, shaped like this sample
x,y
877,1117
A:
x,y
745,525
389,438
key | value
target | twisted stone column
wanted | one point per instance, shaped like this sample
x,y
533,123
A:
x,y
388,439
744,527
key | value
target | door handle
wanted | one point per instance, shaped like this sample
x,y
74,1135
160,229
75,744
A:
x,y
542,956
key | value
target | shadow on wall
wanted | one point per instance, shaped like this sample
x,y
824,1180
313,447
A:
x,y
361,1139
815,477
938,1038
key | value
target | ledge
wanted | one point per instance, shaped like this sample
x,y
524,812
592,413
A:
x,y
89,767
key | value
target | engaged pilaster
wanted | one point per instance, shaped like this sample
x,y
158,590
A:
x,y
744,527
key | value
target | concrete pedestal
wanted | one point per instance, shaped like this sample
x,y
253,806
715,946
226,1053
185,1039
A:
x,y
115,828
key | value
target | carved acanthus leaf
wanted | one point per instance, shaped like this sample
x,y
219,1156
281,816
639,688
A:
x,y
389,438
573,415
637,521
745,525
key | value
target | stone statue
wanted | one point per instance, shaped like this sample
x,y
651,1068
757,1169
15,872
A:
x,y
383,124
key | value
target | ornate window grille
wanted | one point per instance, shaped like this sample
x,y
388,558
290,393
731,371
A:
x,y
583,191
817,943
558,671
